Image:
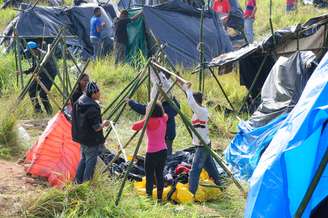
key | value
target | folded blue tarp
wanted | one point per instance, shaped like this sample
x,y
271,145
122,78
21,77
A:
x,y
245,149
287,166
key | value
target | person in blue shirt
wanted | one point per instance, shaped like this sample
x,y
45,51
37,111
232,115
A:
x,y
96,27
171,113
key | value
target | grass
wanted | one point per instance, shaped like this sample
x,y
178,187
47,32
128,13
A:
x,y
280,18
96,199
6,16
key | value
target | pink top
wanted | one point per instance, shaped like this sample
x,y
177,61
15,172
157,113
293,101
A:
x,y
156,129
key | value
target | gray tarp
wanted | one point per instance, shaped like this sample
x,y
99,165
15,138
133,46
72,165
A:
x,y
285,82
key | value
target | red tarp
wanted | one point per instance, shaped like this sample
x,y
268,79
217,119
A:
x,y
55,155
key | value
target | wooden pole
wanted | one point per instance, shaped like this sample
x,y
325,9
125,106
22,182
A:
x,y
222,89
216,157
201,53
136,150
19,58
76,84
120,152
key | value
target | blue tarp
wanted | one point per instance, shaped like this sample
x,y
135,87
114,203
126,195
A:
x,y
177,25
246,148
287,166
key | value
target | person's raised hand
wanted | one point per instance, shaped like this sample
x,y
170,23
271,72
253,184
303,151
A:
x,y
127,100
106,123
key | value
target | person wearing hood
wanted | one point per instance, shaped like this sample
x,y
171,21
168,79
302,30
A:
x,y
87,129
47,76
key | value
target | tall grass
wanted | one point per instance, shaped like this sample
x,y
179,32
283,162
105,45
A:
x,y
280,18
6,16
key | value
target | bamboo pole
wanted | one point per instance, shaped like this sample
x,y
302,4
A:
x,y
19,57
119,141
216,157
201,53
222,89
136,150
39,67
76,85
120,152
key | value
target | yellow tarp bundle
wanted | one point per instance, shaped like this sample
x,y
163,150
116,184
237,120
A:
x,y
182,194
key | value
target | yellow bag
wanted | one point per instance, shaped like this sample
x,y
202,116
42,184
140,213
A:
x,y
184,196
200,195
141,191
141,184
203,175
212,193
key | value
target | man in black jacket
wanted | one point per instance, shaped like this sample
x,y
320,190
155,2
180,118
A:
x,y
87,129
47,76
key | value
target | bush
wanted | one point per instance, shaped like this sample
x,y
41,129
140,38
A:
x,y
8,136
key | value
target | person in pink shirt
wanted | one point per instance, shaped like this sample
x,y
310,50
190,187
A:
x,y
156,148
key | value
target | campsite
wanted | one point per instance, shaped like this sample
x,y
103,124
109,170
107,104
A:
x,y
266,102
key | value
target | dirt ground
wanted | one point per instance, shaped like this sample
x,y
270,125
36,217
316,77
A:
x,y
15,187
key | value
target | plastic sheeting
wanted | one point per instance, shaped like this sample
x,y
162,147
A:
x,y
287,166
246,148
55,155
177,25
287,77
137,38
45,22
280,93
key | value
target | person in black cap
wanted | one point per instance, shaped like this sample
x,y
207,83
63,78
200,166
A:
x,y
87,129
47,76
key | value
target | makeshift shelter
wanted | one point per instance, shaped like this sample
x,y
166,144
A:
x,y
256,60
54,156
291,177
43,24
280,93
177,26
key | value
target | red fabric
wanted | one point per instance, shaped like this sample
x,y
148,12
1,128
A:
x,y
156,129
182,169
199,122
291,2
221,6
55,155
250,6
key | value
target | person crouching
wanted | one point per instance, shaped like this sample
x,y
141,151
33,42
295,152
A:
x,y
87,129
156,148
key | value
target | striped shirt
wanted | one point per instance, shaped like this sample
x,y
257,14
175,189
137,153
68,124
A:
x,y
199,119
250,6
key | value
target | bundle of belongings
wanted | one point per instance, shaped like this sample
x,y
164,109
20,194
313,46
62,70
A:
x,y
176,177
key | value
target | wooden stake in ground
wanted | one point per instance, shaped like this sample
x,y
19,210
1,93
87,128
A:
x,y
137,149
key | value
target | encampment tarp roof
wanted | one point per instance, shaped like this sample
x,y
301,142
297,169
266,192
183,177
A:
x,y
46,22
177,25
312,36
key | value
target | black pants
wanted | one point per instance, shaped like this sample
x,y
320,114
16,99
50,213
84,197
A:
x,y
154,166
35,88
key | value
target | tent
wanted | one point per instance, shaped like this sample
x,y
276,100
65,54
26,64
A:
x,y
256,60
292,159
280,93
177,25
55,156
44,23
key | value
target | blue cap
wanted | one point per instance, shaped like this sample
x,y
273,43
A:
x,y
92,88
31,45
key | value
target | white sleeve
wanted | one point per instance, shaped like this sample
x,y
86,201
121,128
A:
x,y
198,110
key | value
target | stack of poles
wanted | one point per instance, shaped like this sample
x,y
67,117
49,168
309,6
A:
x,y
66,88
132,88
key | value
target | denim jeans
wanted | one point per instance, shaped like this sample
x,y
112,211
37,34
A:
x,y
97,47
248,28
88,163
202,159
